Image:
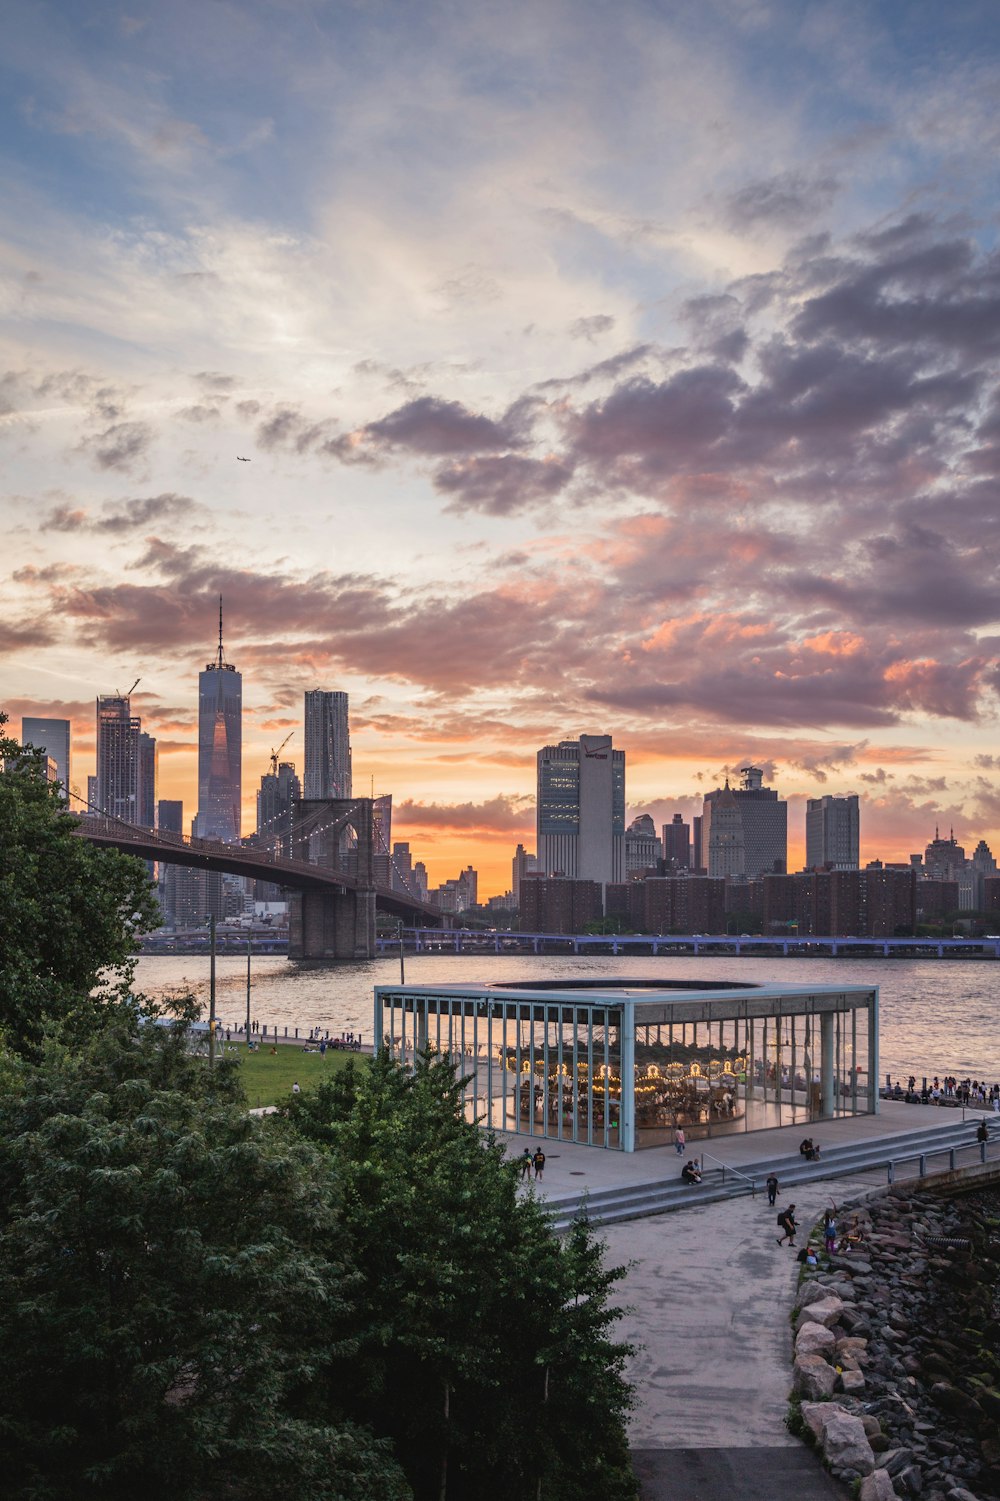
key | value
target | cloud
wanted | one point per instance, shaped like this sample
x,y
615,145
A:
x,y
506,814
592,327
120,518
788,199
501,485
430,425
121,446
22,635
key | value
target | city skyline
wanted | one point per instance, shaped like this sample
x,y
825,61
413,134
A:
x,y
624,372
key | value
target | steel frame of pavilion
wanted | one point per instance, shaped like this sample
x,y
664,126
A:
x,y
620,1065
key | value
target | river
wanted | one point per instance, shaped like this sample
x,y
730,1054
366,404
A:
x,y
937,1016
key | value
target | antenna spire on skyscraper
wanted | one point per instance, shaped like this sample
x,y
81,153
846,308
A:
x,y
221,658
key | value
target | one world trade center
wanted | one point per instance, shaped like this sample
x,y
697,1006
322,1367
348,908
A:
x,y
220,749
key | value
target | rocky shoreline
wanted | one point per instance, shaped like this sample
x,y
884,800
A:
x,y
897,1350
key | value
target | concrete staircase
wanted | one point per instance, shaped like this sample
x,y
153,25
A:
x,y
608,1206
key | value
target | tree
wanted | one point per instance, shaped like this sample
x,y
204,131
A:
x,y
69,912
482,1345
168,1296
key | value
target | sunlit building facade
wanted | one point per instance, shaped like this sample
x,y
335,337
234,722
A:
x,y
220,749
328,745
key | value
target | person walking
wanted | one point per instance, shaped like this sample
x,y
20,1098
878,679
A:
x,y
680,1141
526,1164
786,1219
538,1162
772,1190
982,1132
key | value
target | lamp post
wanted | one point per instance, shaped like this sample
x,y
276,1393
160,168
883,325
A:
x,y
211,992
248,991
402,969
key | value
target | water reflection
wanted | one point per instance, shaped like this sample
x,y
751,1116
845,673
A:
x,y
938,1016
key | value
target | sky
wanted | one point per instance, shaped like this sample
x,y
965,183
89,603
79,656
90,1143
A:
x,y
624,369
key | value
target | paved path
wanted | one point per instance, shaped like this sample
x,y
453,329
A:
x,y
708,1297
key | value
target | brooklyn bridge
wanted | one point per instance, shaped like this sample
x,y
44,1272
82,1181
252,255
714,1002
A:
x,y
330,872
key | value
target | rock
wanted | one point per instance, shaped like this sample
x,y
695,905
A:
x,y
870,1424
949,1398
876,1487
959,1493
846,1446
814,1339
910,1482
856,1321
815,1416
812,1377
850,1345
852,1382
894,1460
879,1443
825,1311
810,1292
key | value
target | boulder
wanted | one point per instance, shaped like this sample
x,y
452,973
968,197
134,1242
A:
x,y
846,1446
949,1398
959,1493
876,1487
825,1311
815,1415
909,1482
814,1339
851,1344
812,1377
852,1382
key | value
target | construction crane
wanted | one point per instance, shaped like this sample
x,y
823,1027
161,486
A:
x,y
131,690
276,753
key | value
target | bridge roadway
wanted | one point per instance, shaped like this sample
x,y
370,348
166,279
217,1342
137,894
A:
x,y
255,864
478,941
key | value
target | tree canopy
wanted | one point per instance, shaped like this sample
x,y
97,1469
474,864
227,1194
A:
x,y
170,1288
483,1343
349,1301
69,912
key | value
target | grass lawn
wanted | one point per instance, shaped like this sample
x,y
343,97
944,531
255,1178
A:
x,y
268,1076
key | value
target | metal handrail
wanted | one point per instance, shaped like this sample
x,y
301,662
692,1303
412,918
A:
x,y
727,1167
921,1157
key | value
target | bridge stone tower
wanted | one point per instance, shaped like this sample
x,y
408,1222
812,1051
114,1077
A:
x,y
336,924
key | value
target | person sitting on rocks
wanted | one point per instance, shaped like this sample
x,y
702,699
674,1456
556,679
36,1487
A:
x,y
690,1173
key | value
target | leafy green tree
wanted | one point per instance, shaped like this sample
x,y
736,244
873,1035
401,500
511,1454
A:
x,y
69,912
168,1295
482,1345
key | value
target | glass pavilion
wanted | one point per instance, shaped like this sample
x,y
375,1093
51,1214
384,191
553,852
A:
x,y
621,1065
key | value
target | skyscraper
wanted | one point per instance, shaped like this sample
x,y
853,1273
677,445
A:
x,y
643,851
581,810
832,833
220,749
328,745
744,830
677,843
279,791
117,758
523,864
146,781
53,737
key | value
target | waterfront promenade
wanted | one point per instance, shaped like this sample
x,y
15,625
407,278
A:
x,y
707,1298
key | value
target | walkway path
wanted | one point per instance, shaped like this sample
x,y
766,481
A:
x,y
708,1298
